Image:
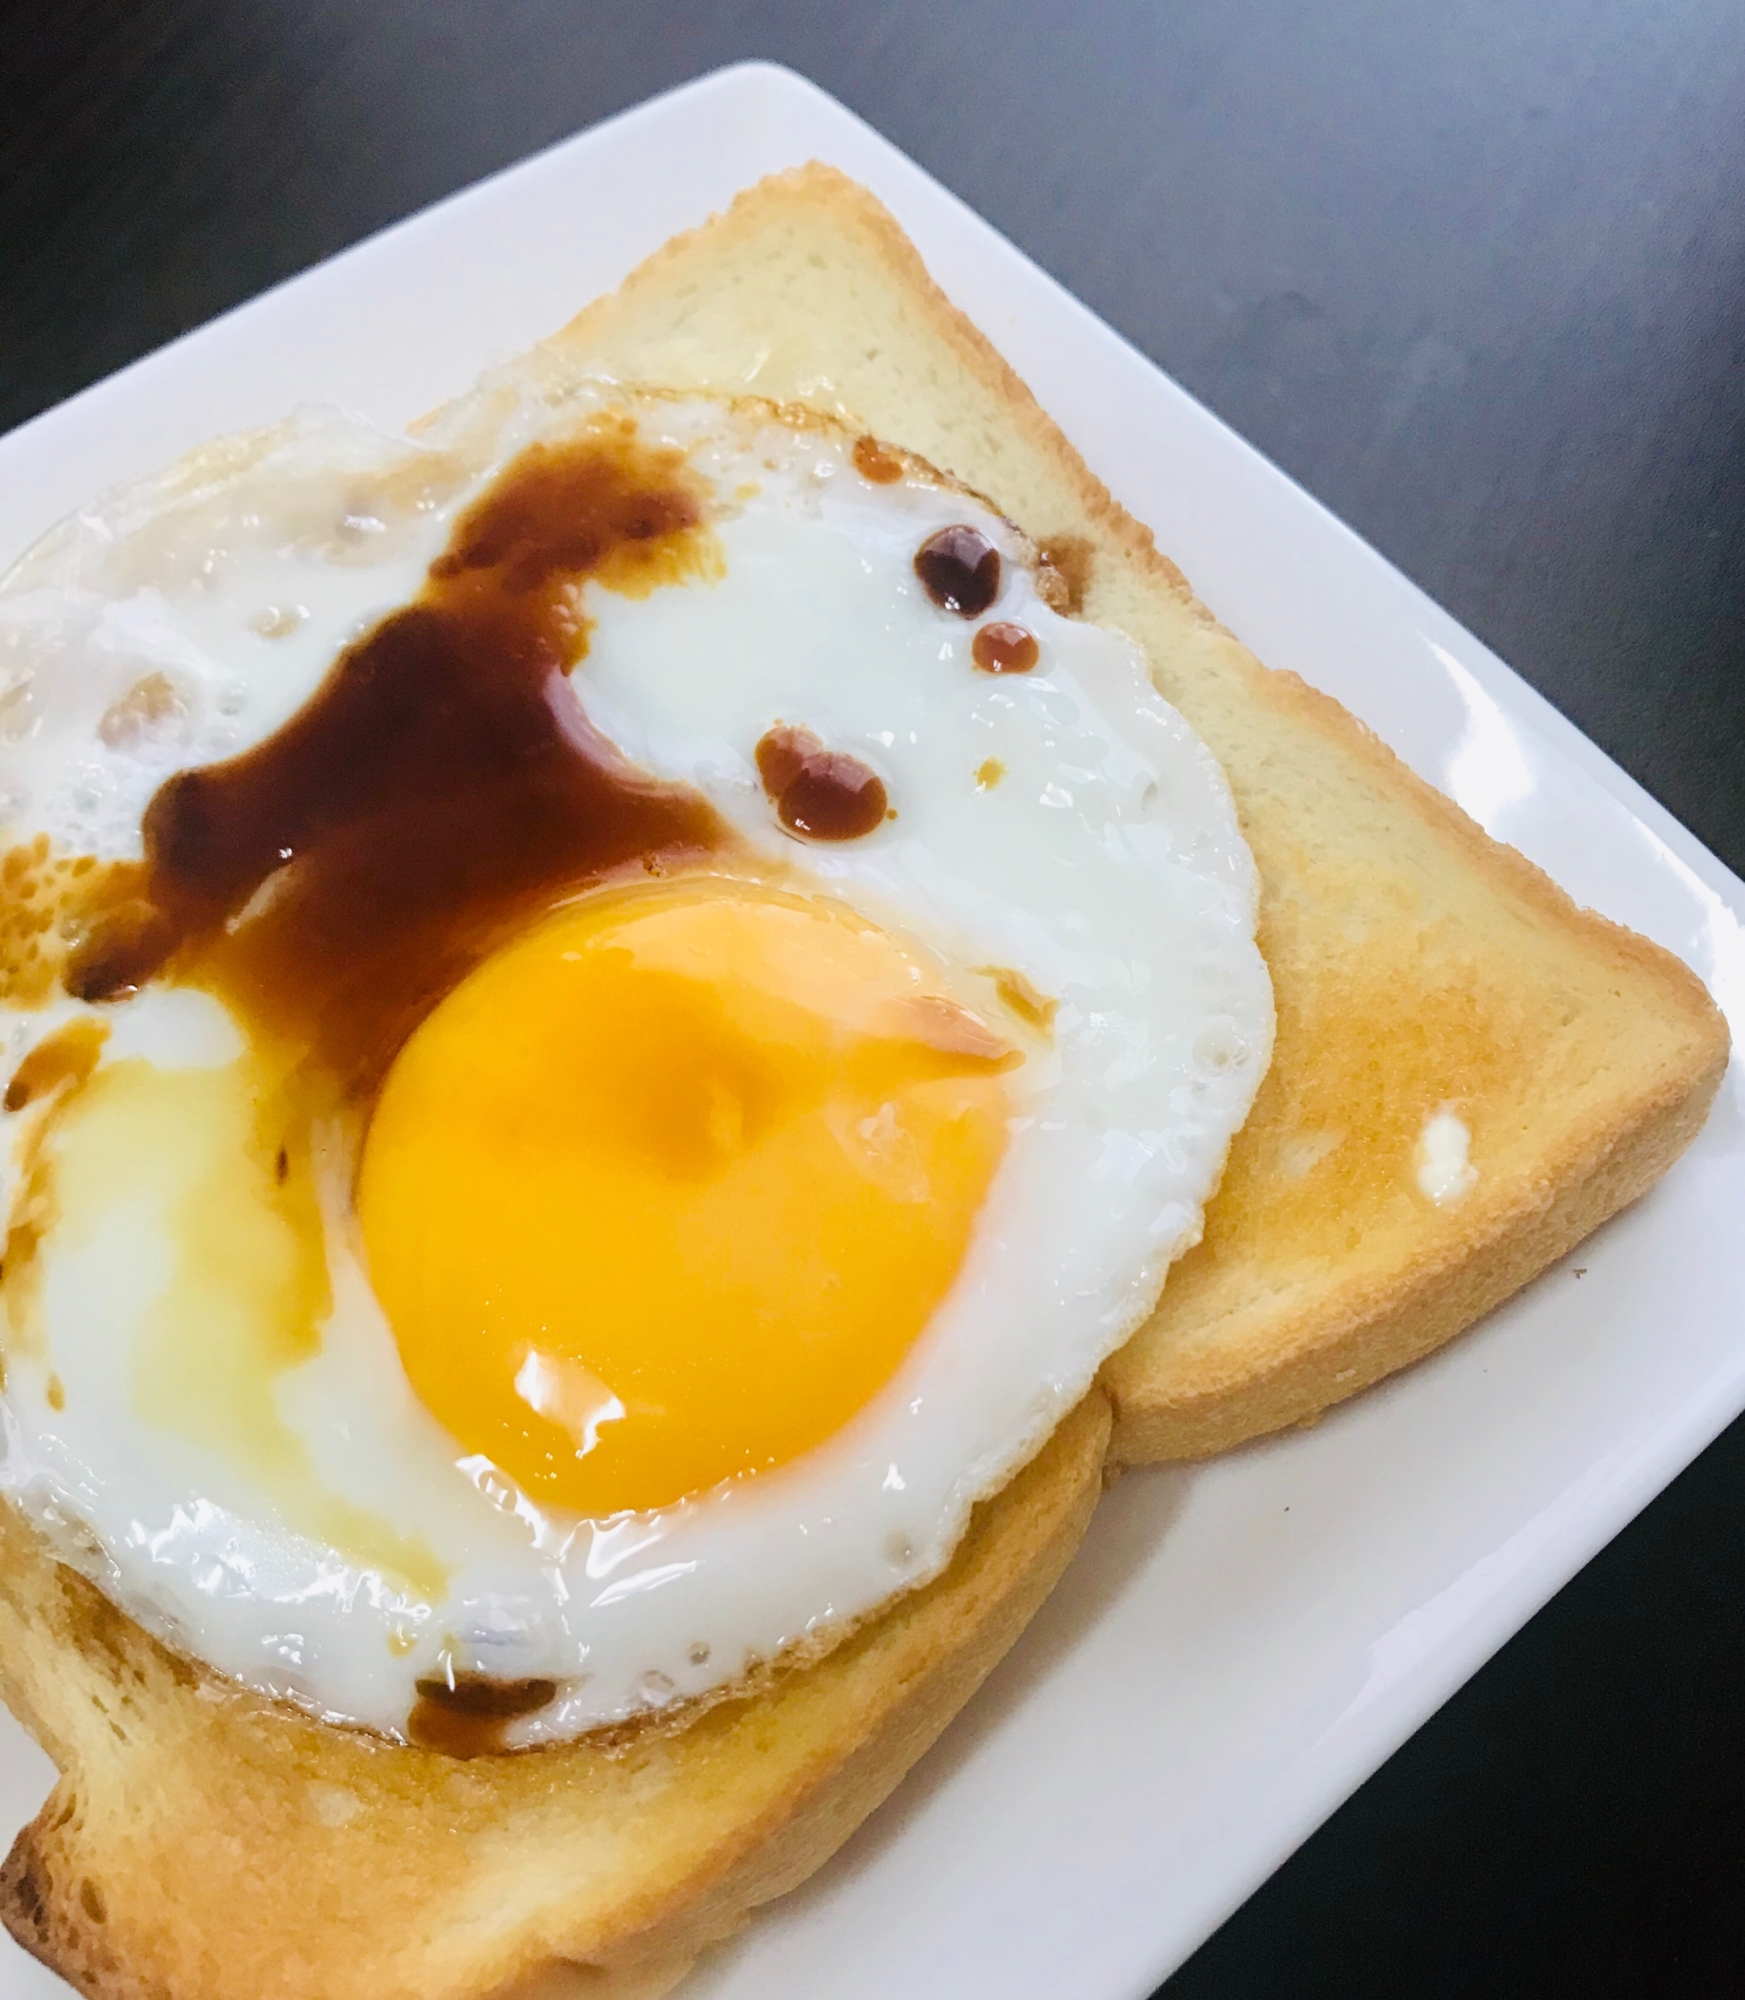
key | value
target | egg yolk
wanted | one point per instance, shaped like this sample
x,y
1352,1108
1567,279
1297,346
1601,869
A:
x,y
666,1189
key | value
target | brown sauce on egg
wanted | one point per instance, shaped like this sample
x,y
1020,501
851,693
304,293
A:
x,y
1004,649
1068,564
69,1055
441,788
959,569
876,465
819,794
470,1715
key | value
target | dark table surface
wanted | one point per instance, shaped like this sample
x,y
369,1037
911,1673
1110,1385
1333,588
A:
x,y
1474,273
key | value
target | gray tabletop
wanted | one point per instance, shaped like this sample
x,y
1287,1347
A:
x,y
1474,273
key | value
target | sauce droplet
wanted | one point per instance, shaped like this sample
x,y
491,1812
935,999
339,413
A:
x,y
1067,565
471,1717
69,1055
818,794
960,570
1005,649
875,465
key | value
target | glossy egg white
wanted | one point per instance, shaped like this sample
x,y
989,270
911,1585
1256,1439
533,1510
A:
x,y
1066,825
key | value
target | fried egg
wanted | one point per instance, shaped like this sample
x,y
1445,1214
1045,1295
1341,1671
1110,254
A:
x,y
609,1013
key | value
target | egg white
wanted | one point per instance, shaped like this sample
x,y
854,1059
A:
x,y
1104,865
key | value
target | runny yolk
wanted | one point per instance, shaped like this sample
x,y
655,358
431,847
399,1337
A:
x,y
665,1190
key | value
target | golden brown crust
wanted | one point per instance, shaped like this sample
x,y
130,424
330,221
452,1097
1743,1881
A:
x,y
1288,1356
203,1842
1346,1341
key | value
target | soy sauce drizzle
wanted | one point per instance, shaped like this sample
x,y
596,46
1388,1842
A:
x,y
469,1716
959,569
1004,649
819,794
69,1055
441,788
876,465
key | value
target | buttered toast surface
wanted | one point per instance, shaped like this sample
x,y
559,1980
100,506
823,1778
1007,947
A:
x,y
1419,970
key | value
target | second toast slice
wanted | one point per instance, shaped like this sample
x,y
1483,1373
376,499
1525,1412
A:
x,y
1422,971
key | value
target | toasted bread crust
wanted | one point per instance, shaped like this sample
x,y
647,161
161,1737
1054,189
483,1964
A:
x,y
205,1843
1282,1363
1343,1344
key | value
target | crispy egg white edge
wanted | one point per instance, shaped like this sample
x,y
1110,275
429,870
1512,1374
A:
x,y
1162,1036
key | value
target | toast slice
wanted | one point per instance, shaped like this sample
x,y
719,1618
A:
x,y
202,1843
207,1845
1418,966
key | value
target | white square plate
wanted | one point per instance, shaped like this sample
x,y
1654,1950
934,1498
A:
x,y
1240,1644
